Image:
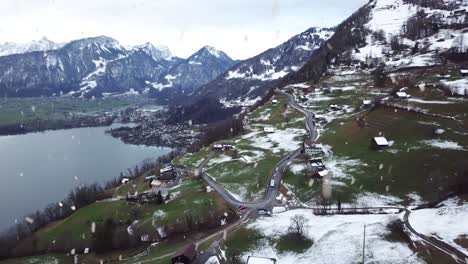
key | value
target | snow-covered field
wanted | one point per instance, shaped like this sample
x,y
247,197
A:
x,y
448,222
337,239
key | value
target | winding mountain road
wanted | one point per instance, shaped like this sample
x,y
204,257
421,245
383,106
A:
x,y
276,173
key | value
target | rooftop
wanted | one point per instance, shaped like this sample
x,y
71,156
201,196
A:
x,y
381,141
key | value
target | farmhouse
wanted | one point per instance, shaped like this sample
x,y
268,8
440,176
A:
x,y
379,143
185,255
464,72
313,149
269,129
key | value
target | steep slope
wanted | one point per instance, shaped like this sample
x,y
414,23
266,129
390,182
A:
x,y
187,75
248,82
43,44
395,34
245,83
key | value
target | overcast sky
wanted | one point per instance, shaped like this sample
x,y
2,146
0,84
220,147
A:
x,y
241,28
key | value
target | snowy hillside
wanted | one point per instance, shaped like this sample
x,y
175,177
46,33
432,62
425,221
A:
x,y
406,34
245,83
42,44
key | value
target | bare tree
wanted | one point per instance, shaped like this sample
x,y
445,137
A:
x,y
297,225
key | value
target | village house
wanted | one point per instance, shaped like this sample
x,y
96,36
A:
x,y
269,129
185,255
379,143
274,101
222,147
313,149
317,164
218,147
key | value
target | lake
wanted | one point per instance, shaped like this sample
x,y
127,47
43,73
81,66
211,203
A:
x,y
41,168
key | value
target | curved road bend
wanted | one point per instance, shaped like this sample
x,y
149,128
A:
x,y
277,171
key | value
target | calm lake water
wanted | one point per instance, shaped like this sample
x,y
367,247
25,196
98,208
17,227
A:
x,y
41,168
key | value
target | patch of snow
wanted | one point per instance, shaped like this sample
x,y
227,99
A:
x,y
368,199
337,239
445,222
428,102
441,144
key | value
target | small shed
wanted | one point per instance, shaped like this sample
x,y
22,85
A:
x,y
185,255
274,101
402,95
379,143
269,129
464,72
366,103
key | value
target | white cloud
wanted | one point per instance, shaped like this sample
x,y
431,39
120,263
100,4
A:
x,y
183,25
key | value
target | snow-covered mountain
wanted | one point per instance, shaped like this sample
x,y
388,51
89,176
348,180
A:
x,y
42,44
159,52
246,82
101,66
187,75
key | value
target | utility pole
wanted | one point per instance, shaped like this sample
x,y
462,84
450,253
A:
x,y
364,245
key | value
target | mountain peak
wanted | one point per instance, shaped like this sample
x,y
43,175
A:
x,y
213,51
156,52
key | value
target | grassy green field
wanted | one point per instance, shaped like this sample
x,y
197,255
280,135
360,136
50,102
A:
x,y
15,110
247,174
413,164
78,225
193,160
